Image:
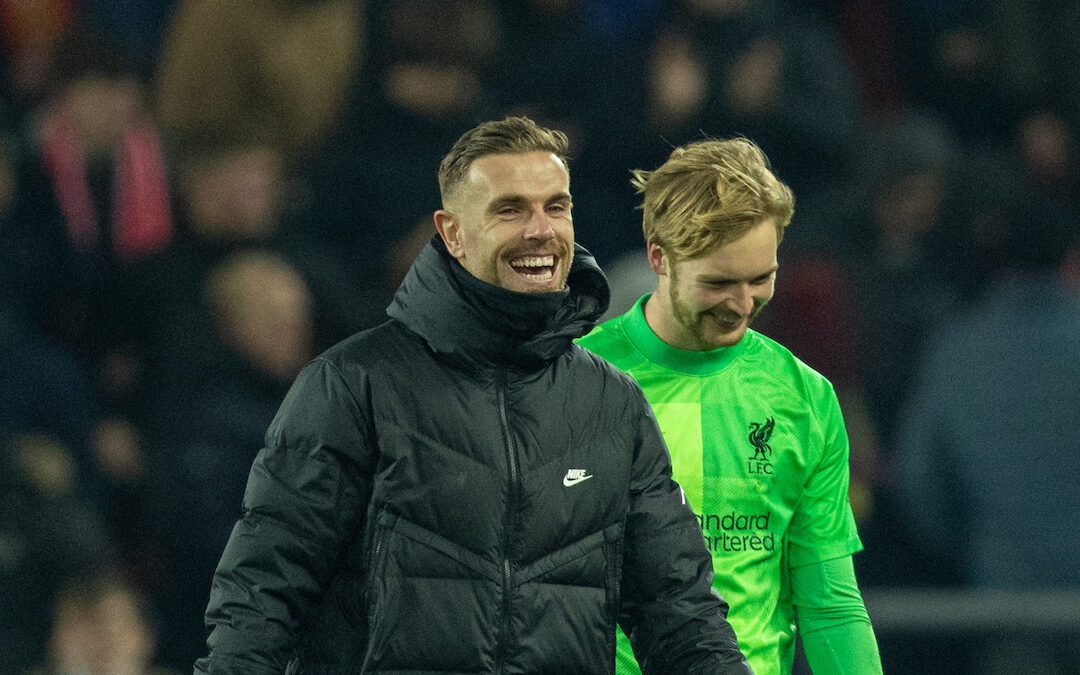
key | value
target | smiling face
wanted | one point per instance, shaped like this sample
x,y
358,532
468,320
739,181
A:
x,y
709,301
510,223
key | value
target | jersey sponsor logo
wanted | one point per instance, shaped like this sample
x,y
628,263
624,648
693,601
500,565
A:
x,y
760,433
575,476
735,532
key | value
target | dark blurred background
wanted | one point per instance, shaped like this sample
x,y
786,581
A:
x,y
197,196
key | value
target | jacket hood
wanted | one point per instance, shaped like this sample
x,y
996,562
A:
x,y
458,314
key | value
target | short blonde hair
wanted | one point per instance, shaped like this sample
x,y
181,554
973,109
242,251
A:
x,y
509,135
708,193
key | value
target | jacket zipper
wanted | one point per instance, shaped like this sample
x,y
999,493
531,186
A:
x,y
376,548
508,521
371,597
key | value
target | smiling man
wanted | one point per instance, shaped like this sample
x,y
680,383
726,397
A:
x,y
462,489
757,438
508,220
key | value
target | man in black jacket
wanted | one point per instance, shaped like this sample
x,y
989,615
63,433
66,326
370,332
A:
x,y
462,489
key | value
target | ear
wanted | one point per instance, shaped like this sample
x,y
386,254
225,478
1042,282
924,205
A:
x,y
450,230
657,259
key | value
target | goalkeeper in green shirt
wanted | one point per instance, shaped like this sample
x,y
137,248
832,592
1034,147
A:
x,y
756,436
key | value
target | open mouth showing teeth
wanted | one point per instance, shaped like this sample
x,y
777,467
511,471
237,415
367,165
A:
x,y
536,267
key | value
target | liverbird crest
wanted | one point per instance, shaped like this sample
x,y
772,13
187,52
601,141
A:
x,y
760,433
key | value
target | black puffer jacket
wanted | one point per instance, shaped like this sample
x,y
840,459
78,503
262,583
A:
x,y
463,490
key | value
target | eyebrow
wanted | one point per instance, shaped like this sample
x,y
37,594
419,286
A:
x,y
724,280
520,200
506,200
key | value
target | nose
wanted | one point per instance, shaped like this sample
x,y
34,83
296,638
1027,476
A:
x,y
741,300
539,226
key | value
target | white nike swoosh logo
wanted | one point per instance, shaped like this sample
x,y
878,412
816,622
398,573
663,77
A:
x,y
568,481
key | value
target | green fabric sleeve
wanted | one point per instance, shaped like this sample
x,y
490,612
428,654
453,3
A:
x,y
836,632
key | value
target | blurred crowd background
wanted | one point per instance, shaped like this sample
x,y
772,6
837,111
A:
x,y
197,196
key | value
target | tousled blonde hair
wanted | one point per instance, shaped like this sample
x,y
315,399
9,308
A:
x,y
709,193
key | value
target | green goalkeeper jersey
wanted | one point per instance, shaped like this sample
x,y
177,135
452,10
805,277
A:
x,y
758,443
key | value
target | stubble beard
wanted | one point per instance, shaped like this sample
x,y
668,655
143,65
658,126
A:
x,y
692,321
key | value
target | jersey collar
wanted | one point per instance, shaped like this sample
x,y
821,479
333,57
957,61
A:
x,y
663,354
